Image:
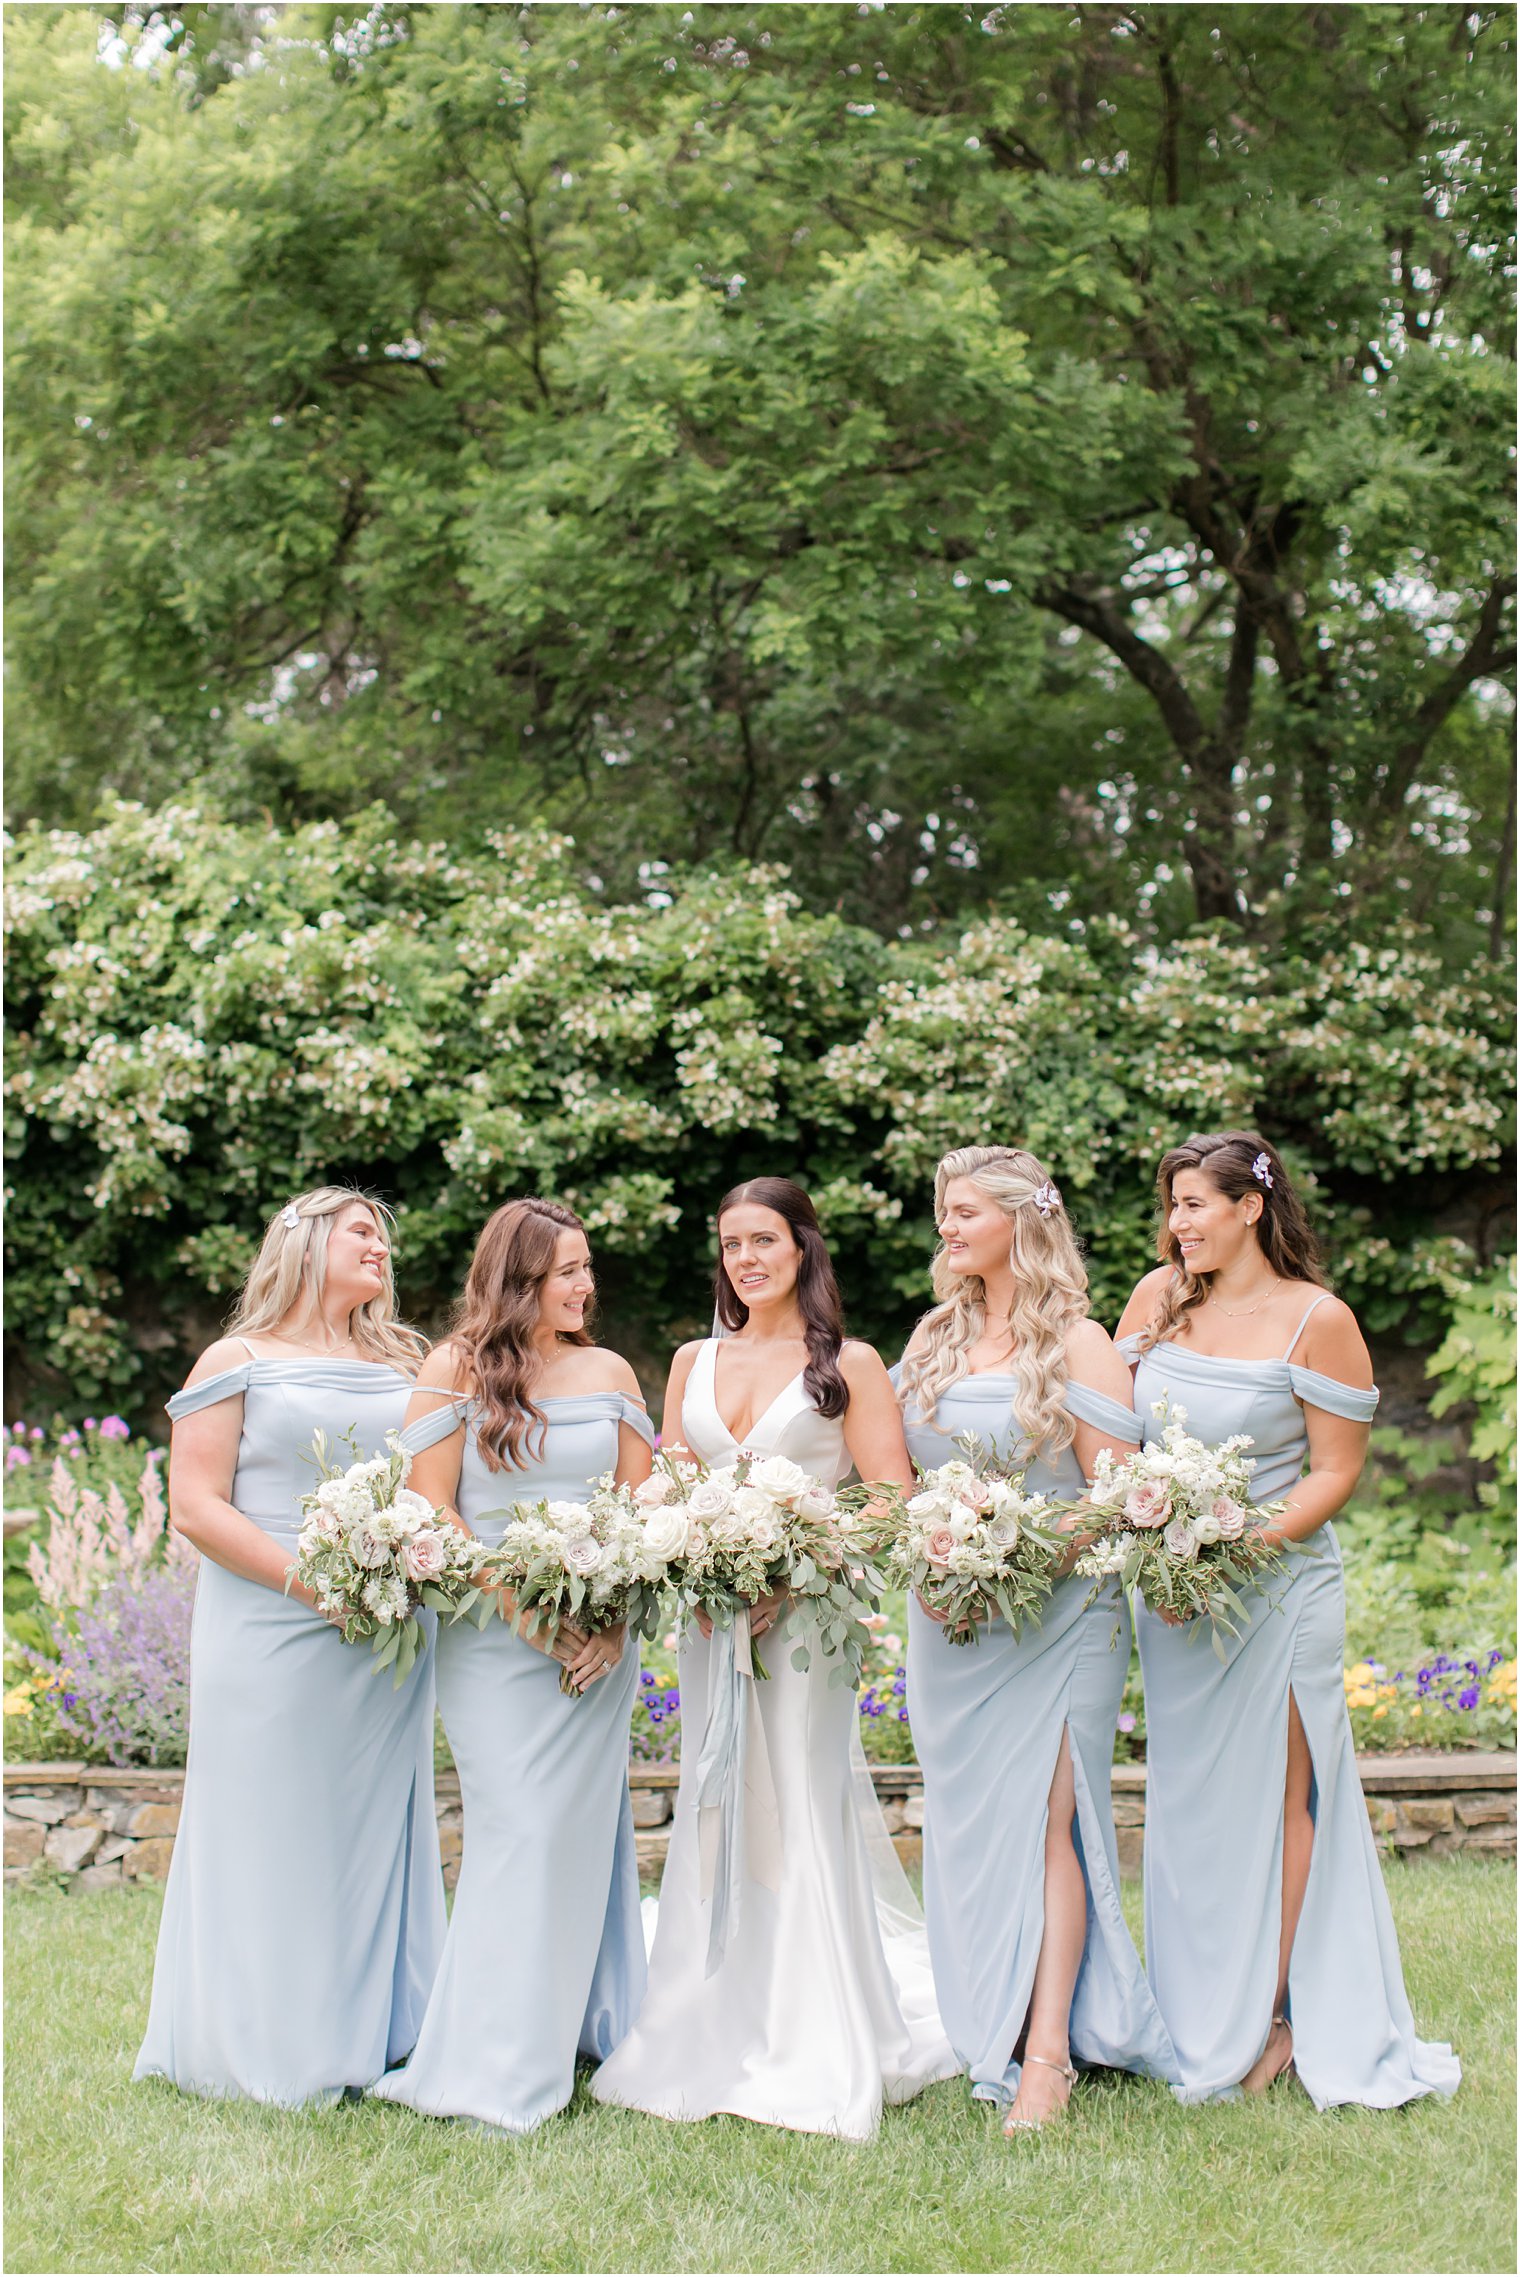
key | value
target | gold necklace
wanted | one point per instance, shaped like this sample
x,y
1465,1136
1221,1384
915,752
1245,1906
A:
x,y
1245,1311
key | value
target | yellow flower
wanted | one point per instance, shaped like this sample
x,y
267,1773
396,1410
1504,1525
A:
x,y
1378,1712
1416,1710
1359,1673
19,1702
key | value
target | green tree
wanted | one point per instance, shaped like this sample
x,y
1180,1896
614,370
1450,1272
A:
x,y
1061,453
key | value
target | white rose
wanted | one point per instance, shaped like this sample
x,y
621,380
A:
x,y
583,1555
1004,1532
709,1498
655,1490
815,1503
1229,1517
667,1534
962,1521
366,1548
783,1481
762,1533
750,1505
1180,1540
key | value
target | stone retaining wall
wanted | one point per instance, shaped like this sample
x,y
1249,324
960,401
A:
x,y
94,1828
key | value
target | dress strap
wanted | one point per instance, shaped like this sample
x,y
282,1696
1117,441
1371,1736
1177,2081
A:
x,y
1111,1416
227,1383
428,1430
1311,1389
635,1414
1303,1324
1130,1345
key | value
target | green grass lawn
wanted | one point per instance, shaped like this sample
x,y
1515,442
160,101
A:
x,y
102,2175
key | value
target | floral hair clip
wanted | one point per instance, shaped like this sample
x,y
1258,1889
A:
x,y
290,1216
1261,1170
1046,1198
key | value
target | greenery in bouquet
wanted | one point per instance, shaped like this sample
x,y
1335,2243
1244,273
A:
x,y
375,1554
759,1526
595,1565
1174,1521
972,1544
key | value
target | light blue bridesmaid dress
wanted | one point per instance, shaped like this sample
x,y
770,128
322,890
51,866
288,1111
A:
x,y
1216,1762
987,1721
545,1952
304,1913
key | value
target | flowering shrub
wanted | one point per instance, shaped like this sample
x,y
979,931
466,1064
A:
x,y
206,1017
108,1677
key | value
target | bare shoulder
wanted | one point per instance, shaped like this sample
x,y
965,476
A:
x,y
590,1368
860,1363
1145,1300
1093,1359
1087,1339
445,1369
1333,1345
227,1352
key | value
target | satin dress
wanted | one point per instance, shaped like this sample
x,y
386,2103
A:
x,y
987,1723
1216,1762
823,2006
304,1912
544,1958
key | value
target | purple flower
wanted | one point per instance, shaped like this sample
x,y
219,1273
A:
x,y
1494,1658
1469,1698
902,1715
1126,1721
128,1657
647,1678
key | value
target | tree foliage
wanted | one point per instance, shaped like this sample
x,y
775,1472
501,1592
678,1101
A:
x,y
208,1017
1059,450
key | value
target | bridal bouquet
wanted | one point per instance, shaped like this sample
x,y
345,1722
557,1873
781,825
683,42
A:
x,y
743,1530
374,1553
594,1564
971,1544
1175,1521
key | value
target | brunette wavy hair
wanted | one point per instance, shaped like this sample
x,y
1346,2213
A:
x,y
1049,1297
1226,1159
494,1323
817,1289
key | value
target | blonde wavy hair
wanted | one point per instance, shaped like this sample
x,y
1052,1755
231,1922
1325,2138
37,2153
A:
x,y
1049,1297
292,1265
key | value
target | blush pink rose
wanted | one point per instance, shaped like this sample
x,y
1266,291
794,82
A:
x,y
1148,1503
1229,1517
423,1557
938,1547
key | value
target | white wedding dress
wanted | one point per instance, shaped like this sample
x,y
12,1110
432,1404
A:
x,y
821,2006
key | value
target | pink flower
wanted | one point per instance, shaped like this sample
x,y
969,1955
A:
x,y
938,1547
975,1494
1148,1503
652,1491
424,1556
1180,1540
1229,1517
112,1427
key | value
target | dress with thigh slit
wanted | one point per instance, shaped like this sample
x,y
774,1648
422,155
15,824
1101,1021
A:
x,y
987,1722
1216,1766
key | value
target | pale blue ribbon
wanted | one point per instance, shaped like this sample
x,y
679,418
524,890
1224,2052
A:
x,y
737,1820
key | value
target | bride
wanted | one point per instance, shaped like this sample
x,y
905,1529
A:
x,y
795,1988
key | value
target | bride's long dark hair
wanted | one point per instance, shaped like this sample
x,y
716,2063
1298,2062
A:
x,y
817,1289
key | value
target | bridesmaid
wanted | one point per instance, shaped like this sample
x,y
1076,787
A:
x,y
545,1950
1268,1934
304,1913
1032,1961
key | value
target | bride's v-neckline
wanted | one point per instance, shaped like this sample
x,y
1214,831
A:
x,y
765,1413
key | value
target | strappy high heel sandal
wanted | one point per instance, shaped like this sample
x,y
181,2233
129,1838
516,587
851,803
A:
x,y
1068,2071
1288,2071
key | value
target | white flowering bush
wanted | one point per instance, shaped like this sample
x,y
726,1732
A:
x,y
1175,1521
374,1553
972,1545
593,1564
203,1018
741,1531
